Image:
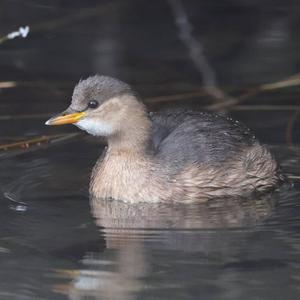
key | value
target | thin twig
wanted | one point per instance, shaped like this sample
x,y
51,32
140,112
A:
x,y
285,83
233,101
293,177
7,84
29,142
288,82
34,144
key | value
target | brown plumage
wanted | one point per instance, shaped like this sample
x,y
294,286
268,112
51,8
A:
x,y
173,155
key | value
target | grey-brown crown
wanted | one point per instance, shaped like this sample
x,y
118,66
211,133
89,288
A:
x,y
100,88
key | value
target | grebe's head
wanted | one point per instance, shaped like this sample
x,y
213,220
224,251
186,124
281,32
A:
x,y
99,106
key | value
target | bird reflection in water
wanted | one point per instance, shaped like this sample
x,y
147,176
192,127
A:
x,y
134,232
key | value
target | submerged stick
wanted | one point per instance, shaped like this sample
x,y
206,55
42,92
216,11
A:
x,y
196,52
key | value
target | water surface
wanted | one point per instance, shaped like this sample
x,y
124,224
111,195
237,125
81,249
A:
x,y
55,242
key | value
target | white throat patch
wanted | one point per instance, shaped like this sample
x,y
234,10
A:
x,y
97,128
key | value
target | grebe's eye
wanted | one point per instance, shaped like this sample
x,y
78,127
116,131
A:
x,y
93,104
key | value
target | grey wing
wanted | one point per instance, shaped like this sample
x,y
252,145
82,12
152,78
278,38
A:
x,y
184,137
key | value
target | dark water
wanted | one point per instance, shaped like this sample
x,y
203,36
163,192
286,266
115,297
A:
x,y
56,243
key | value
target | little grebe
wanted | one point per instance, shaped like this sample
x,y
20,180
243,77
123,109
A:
x,y
172,155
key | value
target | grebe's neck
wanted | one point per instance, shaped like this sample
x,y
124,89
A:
x,y
134,135
128,170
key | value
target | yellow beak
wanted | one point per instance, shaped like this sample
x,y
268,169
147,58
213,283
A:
x,y
65,119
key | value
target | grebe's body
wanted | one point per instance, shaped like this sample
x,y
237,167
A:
x,y
172,155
